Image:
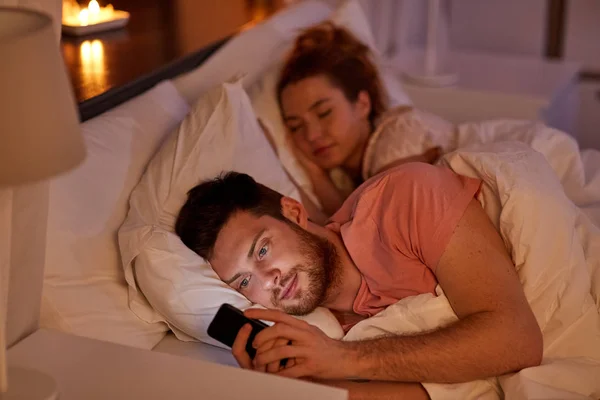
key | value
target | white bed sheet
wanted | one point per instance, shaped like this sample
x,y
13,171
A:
x,y
197,350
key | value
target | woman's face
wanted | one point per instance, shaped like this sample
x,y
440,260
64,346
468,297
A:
x,y
328,128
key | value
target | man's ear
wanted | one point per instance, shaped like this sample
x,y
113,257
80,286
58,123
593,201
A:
x,y
294,211
363,104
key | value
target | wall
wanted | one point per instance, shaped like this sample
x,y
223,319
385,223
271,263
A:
x,y
582,43
507,26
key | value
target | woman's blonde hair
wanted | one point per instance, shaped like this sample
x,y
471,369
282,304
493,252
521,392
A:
x,y
326,49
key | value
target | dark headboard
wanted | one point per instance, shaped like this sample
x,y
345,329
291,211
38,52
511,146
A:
x,y
113,97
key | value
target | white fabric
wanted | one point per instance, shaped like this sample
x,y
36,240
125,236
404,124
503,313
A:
x,y
263,93
402,132
408,133
197,350
84,289
220,134
560,150
556,250
250,53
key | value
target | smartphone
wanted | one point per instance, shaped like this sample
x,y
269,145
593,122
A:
x,y
227,323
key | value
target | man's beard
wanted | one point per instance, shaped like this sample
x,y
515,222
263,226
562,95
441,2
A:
x,y
321,266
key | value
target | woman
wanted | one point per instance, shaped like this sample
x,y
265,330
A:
x,y
334,107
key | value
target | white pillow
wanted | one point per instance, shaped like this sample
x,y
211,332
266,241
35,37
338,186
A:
x,y
220,134
85,292
263,93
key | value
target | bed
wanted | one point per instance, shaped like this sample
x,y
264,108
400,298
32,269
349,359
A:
x,y
88,288
123,129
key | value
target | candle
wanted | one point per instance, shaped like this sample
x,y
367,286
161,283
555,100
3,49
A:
x,y
83,20
74,15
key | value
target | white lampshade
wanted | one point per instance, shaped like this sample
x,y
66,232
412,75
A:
x,y
39,126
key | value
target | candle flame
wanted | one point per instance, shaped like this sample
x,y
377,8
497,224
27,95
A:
x,y
84,17
94,7
73,14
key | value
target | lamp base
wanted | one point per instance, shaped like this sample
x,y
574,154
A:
x,y
28,384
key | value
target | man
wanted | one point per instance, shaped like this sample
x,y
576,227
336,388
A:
x,y
400,234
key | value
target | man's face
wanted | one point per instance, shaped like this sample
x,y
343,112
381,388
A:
x,y
276,264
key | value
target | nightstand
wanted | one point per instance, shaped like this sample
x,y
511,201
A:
x,y
95,370
494,86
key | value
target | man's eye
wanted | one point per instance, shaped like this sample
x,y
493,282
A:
x,y
262,252
244,283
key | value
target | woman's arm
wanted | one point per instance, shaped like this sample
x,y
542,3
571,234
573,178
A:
x,y
314,213
329,196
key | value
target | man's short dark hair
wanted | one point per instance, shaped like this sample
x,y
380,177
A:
x,y
210,205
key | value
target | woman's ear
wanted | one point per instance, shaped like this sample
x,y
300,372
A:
x,y
363,104
294,211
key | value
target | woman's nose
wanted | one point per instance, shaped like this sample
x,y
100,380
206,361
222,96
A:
x,y
314,132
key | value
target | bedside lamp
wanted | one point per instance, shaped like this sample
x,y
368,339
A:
x,y
39,138
433,71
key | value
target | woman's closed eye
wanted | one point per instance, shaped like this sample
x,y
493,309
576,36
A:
x,y
324,114
294,128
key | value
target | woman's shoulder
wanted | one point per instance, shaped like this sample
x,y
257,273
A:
x,y
401,111
410,116
403,132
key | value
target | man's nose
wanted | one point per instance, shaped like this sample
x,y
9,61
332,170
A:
x,y
270,278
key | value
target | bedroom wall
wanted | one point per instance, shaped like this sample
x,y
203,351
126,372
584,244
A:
x,y
508,26
582,44
225,17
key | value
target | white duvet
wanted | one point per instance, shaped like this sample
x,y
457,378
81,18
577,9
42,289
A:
x,y
555,245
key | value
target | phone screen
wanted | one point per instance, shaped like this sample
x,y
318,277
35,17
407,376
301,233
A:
x,y
227,323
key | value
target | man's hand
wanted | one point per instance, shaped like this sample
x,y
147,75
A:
x,y
243,359
239,347
277,365
358,391
316,355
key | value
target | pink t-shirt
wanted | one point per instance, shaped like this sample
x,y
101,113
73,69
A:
x,y
396,227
